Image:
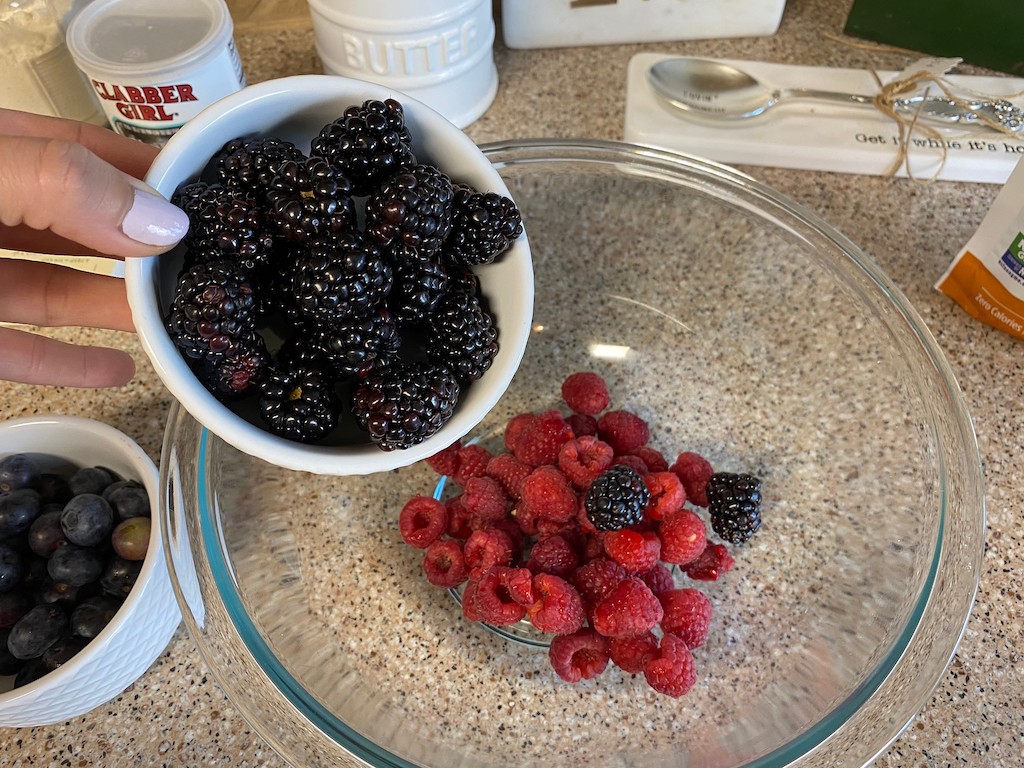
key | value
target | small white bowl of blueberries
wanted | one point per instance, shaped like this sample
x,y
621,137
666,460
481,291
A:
x,y
86,603
355,291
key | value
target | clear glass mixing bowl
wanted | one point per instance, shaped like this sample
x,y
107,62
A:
x,y
745,328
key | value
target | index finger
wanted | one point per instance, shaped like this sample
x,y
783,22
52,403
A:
x,y
127,155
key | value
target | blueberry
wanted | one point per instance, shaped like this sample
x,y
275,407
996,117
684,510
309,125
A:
x,y
128,498
75,566
30,671
36,631
14,605
17,511
56,593
120,576
18,471
12,567
92,615
54,488
62,652
90,480
87,520
9,664
45,535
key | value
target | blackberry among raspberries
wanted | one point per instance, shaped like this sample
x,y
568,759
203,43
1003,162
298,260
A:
x,y
617,499
223,225
213,311
248,165
299,404
462,335
358,347
403,406
367,144
308,199
734,505
414,208
484,224
340,279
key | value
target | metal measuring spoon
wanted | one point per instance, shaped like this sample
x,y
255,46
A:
x,y
716,90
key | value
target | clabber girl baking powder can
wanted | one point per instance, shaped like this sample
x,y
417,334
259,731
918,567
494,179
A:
x,y
155,64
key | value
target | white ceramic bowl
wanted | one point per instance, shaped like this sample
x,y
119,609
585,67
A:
x,y
295,108
147,619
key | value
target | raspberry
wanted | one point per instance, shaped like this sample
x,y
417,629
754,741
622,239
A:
x,y
672,671
712,563
469,604
694,471
659,579
444,563
472,463
558,608
445,462
630,654
493,602
583,459
546,492
422,521
634,551
632,461
586,393
553,555
526,519
509,471
511,528
582,425
486,501
624,431
683,537
540,441
582,655
667,495
518,582
652,458
458,518
485,549
630,609
516,428
687,615
596,578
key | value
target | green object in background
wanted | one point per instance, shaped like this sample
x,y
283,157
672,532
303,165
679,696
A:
x,y
981,32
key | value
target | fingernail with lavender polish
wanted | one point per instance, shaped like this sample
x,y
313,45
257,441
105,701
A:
x,y
154,221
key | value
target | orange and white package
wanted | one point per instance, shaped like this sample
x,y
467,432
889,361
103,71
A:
x,y
987,277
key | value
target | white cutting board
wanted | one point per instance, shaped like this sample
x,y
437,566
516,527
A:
x,y
823,137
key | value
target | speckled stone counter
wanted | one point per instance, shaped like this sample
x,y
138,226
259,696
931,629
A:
x,y
175,715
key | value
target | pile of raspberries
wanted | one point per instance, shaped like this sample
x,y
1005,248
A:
x,y
519,538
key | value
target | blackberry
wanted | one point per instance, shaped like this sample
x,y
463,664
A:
x,y
340,279
237,373
462,279
414,208
484,224
299,403
358,347
248,165
308,199
367,143
617,499
223,225
734,505
403,406
462,335
417,290
213,311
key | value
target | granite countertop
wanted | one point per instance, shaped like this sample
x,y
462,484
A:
x,y
176,714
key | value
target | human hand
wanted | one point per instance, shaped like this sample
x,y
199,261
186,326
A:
x,y
72,188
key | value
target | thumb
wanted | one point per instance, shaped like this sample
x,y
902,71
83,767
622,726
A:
x,y
60,186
